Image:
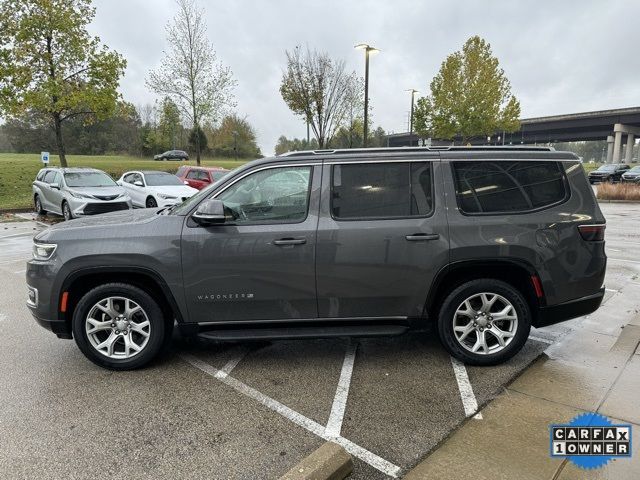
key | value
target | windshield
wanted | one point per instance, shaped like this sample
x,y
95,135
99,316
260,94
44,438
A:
x,y
160,179
184,207
607,168
88,179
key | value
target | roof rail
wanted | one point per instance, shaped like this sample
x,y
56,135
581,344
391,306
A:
x,y
354,151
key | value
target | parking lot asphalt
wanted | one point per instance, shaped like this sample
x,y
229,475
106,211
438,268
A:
x,y
245,410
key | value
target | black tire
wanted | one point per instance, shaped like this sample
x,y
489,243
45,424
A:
x,y
38,206
159,328
612,180
151,203
66,211
458,296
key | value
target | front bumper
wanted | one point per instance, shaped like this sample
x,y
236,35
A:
x,y
42,302
81,207
568,310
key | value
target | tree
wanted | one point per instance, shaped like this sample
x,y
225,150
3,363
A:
x,y
285,145
235,137
470,97
169,125
189,73
52,67
198,140
316,88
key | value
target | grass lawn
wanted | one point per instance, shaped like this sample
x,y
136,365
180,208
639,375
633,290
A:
x,y
18,170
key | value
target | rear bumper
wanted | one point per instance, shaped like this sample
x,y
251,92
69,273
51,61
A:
x,y
568,310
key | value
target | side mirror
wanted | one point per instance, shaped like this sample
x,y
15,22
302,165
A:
x,y
210,212
138,183
55,185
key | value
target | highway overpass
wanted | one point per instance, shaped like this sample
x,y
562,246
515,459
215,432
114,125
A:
x,y
618,127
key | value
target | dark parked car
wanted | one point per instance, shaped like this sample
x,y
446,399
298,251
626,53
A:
x,y
482,243
632,175
608,173
172,155
200,177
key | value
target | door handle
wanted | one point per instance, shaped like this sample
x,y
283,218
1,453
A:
x,y
422,237
290,241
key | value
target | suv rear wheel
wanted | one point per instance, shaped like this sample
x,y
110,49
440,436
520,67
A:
x,y
484,322
119,326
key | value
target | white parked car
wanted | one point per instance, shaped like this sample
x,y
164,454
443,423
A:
x,y
153,189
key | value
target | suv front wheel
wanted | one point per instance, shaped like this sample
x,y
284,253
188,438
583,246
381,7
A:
x,y
484,322
119,326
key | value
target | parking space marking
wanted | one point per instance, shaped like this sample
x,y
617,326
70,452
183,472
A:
x,y
20,271
233,363
623,260
469,401
334,425
312,426
541,339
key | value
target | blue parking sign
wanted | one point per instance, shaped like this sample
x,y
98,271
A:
x,y
44,156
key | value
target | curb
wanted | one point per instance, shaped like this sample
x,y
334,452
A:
x,y
618,201
329,462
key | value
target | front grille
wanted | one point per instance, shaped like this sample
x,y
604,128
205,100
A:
x,y
95,208
106,197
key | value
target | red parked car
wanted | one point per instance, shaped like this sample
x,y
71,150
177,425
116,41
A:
x,y
200,177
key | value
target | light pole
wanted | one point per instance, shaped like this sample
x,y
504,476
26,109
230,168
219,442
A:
x,y
367,50
413,93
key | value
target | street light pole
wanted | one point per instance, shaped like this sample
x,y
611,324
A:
x,y
367,50
413,93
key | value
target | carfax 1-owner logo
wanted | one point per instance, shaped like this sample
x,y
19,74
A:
x,y
590,440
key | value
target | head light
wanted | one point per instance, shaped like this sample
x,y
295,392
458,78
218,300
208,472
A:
x,y
78,194
43,251
167,197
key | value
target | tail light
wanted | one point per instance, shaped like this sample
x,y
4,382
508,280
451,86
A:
x,y
592,233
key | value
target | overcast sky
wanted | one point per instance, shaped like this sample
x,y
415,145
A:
x,y
560,56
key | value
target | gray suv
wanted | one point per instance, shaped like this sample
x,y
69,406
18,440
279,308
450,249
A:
x,y
74,192
482,243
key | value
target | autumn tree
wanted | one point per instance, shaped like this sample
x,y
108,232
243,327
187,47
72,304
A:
x,y
470,97
317,88
52,68
234,137
190,74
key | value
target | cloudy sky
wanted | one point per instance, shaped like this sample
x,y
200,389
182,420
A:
x,y
560,56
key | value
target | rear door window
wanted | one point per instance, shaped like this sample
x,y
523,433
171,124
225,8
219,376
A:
x,y
508,186
48,178
381,190
193,175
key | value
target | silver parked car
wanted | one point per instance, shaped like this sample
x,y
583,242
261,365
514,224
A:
x,y
74,192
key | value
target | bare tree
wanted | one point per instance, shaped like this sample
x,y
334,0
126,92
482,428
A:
x,y
316,88
190,74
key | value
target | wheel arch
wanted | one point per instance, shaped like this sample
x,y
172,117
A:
x,y
81,281
515,272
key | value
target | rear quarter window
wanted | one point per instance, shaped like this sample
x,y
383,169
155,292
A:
x,y
508,186
180,172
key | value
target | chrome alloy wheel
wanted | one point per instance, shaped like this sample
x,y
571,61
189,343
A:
x,y
485,323
117,327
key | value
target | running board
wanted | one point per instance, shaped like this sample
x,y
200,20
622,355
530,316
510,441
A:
x,y
304,332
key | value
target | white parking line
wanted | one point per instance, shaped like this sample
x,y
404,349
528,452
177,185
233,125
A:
x,y
363,454
469,401
541,339
334,425
20,271
233,363
623,260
